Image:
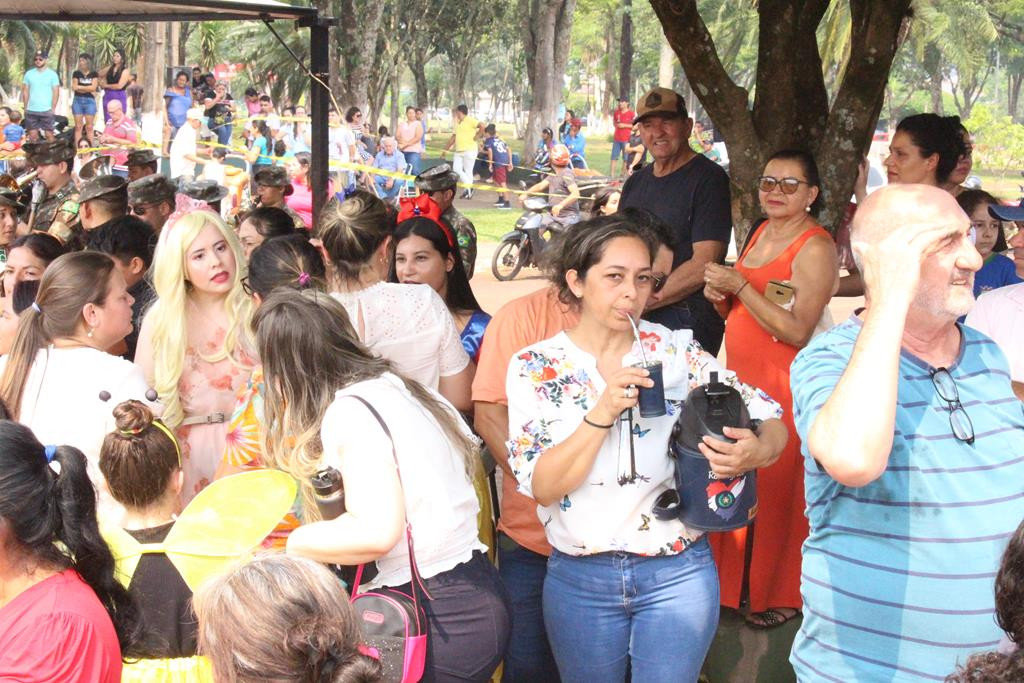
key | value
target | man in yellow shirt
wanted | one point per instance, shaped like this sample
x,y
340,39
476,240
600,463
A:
x,y
468,131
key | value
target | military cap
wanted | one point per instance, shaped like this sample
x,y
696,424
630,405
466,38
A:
x,y
50,151
436,178
141,157
208,191
11,198
151,189
101,186
274,176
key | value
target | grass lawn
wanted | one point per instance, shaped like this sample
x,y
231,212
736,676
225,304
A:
x,y
491,224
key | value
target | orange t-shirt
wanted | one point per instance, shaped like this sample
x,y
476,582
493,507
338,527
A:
x,y
521,322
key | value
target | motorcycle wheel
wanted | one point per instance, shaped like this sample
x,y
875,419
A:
x,y
509,258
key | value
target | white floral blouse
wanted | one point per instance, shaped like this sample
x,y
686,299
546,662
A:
x,y
552,384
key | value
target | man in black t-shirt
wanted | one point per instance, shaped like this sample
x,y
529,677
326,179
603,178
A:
x,y
691,194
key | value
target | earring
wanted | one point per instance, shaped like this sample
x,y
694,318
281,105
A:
x,y
90,333
808,209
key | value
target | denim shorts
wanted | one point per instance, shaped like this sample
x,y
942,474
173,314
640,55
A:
x,y
83,106
618,148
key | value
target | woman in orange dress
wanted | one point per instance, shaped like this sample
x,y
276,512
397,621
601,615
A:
x,y
766,325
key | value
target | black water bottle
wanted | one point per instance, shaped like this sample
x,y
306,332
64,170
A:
x,y
329,493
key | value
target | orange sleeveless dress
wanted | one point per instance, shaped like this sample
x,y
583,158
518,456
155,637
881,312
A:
x,y
780,527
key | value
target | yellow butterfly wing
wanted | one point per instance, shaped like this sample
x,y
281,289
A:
x,y
228,518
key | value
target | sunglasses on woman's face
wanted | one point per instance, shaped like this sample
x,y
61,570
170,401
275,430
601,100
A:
x,y
767,183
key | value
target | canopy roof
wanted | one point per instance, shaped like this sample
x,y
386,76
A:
x,y
151,10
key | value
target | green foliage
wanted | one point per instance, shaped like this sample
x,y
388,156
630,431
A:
x,y
101,40
998,141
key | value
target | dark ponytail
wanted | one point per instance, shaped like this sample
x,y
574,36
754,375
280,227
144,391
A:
x,y
46,496
289,261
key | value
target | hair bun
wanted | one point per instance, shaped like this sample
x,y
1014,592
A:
x,y
132,417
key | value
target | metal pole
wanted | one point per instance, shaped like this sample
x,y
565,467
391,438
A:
x,y
319,97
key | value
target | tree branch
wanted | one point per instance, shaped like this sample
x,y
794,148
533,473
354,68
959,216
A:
x,y
874,39
686,32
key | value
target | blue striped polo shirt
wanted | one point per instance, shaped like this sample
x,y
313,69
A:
x,y
897,577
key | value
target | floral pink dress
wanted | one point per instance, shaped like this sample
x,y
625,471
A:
x,y
208,389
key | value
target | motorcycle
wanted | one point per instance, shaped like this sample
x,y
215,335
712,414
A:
x,y
525,244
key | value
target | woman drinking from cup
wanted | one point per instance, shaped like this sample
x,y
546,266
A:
x,y
624,588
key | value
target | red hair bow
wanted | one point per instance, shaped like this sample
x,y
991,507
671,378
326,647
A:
x,y
422,206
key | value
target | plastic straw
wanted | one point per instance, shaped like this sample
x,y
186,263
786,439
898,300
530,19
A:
x,y
636,334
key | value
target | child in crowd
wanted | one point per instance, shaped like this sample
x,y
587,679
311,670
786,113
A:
x,y
560,187
998,270
499,163
12,133
161,555
214,169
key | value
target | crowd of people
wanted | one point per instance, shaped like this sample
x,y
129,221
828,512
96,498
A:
x,y
162,367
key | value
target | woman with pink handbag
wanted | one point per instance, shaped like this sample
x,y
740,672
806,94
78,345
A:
x,y
406,460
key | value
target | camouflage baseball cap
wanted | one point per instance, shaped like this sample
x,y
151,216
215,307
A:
x,y
141,157
208,191
274,176
151,189
101,186
436,178
11,198
49,152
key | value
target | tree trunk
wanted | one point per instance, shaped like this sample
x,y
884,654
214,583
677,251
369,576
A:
x,y
460,73
357,36
418,66
791,107
396,96
610,85
666,66
933,67
1013,83
626,51
184,30
151,78
547,40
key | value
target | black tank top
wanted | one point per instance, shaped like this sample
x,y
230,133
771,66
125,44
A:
x,y
113,78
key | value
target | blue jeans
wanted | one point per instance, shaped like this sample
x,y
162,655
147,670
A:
x,y
528,657
224,134
654,615
381,181
413,159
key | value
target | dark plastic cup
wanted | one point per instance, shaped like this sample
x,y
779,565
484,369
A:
x,y
652,399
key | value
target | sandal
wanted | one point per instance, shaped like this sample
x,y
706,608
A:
x,y
772,617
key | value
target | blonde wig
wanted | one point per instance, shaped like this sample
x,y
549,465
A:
x,y
170,338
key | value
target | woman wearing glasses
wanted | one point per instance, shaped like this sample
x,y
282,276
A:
x,y
772,301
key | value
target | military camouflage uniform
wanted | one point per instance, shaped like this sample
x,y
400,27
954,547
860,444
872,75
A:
x,y
465,234
58,214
